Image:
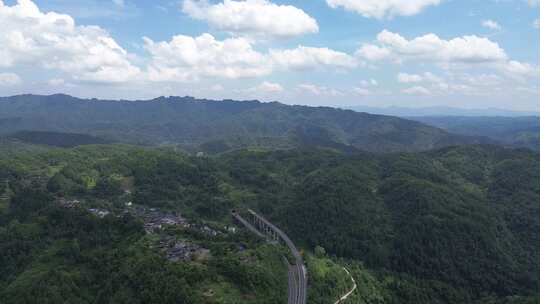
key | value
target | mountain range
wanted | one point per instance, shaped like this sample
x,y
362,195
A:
x,y
442,111
521,132
217,126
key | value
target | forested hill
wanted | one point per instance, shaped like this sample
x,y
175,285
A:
x,y
218,126
457,225
64,140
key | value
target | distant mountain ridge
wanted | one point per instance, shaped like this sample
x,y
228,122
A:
x,y
218,126
442,111
514,131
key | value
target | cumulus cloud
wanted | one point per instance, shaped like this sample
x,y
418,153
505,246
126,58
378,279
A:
x,y
318,90
519,69
187,58
54,41
9,79
409,78
488,80
415,78
431,84
492,25
252,17
381,9
466,49
373,52
462,83
462,51
267,87
304,58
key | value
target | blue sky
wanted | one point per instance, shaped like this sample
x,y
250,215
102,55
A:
x,y
411,53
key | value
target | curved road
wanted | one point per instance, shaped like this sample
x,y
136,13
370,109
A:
x,y
293,286
301,272
297,274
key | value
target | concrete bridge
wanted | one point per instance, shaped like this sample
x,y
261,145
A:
x,y
297,274
4,195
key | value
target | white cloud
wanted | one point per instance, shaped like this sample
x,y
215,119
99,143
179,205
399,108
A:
x,y
53,41
267,87
9,79
536,24
311,88
489,80
417,90
519,69
415,78
453,83
253,17
373,53
431,84
186,58
534,3
361,91
383,8
492,25
466,49
319,90
304,58
409,78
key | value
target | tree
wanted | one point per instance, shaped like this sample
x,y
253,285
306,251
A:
x,y
320,252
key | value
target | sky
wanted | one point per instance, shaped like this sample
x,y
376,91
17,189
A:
x,y
378,53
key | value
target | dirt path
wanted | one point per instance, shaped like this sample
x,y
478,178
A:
x,y
348,294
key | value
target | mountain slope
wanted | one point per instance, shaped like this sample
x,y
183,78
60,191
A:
x,y
451,226
218,126
64,140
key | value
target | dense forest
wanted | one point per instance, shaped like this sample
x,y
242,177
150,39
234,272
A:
x,y
218,126
454,225
56,252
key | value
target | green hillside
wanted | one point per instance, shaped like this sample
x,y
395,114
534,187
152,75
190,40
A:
x,y
220,126
457,225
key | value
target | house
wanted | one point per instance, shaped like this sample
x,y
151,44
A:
x,y
178,250
101,213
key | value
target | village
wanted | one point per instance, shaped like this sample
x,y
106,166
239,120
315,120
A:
x,y
155,222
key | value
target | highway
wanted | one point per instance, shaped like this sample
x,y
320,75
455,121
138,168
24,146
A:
x,y
297,273
293,283
301,272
